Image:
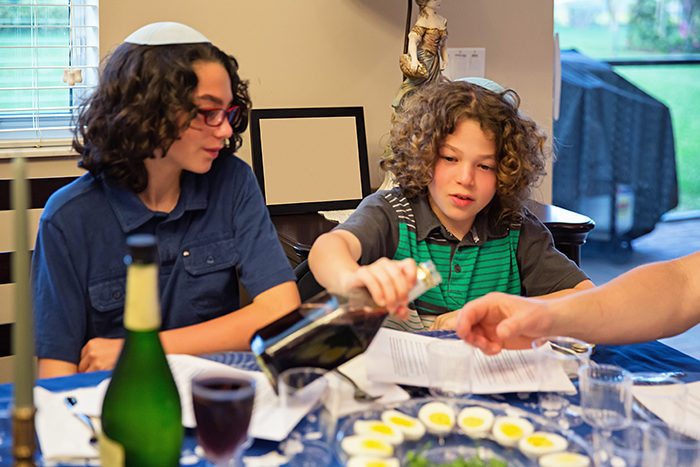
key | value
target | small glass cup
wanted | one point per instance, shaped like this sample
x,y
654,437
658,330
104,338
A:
x,y
606,396
299,387
567,353
223,406
307,388
450,369
640,444
682,447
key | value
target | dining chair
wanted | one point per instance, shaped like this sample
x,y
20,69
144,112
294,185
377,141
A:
x,y
40,189
306,282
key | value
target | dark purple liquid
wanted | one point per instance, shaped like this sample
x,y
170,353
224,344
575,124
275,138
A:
x,y
324,346
222,422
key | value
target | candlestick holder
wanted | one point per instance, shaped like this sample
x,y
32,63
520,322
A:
x,y
23,436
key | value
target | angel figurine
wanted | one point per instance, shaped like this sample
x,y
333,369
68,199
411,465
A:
x,y
427,51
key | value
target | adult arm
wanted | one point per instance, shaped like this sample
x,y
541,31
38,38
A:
x,y
231,332
649,302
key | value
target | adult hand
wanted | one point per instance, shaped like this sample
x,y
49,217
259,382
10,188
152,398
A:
x,y
497,321
445,322
388,282
100,354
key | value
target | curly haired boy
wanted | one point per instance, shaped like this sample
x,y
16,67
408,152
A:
x,y
464,159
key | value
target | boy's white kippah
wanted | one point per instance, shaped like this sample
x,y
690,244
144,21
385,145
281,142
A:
x,y
166,33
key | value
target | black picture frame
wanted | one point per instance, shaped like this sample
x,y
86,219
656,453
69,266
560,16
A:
x,y
305,175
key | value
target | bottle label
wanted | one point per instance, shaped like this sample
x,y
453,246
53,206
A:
x,y
142,307
111,452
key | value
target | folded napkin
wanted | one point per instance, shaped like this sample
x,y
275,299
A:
x,y
62,436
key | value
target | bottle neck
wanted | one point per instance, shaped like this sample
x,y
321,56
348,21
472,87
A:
x,y
142,307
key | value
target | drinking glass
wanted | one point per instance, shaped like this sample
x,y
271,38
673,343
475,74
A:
x,y
663,395
306,388
567,353
606,396
450,369
639,444
299,387
606,403
682,447
223,405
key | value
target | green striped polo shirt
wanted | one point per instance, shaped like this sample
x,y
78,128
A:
x,y
468,271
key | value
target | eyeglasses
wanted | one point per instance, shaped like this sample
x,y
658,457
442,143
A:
x,y
215,117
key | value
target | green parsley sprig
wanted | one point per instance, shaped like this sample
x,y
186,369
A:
x,y
417,459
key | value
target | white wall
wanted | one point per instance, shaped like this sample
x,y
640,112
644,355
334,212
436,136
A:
x,y
308,53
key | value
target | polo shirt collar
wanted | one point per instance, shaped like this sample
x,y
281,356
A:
x,y
132,213
427,221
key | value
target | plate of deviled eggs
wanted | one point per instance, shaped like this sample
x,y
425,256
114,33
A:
x,y
429,432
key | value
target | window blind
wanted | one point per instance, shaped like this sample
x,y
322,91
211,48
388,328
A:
x,y
49,58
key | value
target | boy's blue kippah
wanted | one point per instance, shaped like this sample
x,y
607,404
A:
x,y
490,85
166,33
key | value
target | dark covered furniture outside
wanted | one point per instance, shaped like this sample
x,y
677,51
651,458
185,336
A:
x,y
615,151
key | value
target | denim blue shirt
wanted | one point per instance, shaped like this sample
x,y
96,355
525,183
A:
x,y
219,224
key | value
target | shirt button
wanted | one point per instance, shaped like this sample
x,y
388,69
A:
x,y
186,253
458,268
117,294
210,259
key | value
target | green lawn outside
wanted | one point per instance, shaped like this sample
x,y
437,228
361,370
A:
x,y
677,86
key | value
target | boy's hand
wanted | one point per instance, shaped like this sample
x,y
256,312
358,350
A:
x,y
388,282
445,322
100,354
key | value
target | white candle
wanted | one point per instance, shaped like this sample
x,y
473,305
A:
x,y
23,340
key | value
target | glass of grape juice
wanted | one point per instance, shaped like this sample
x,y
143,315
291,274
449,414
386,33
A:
x,y
223,404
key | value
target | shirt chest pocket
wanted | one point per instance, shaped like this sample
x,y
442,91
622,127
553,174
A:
x,y
107,299
212,257
212,283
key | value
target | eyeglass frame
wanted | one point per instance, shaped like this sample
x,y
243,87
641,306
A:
x,y
232,114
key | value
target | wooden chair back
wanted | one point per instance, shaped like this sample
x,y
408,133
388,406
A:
x,y
39,191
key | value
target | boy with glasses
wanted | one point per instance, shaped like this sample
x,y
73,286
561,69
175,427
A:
x,y
157,138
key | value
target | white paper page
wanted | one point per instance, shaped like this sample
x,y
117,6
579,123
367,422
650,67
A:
x,y
269,420
691,406
401,357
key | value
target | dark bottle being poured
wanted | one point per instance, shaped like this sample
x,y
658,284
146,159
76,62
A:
x,y
328,330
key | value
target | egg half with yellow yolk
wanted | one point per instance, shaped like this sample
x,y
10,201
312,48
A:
x,y
564,459
360,445
412,428
368,461
475,422
540,443
507,431
379,429
437,417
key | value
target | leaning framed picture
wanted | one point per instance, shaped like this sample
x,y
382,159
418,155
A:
x,y
310,159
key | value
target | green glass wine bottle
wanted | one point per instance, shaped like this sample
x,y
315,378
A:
x,y
141,413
